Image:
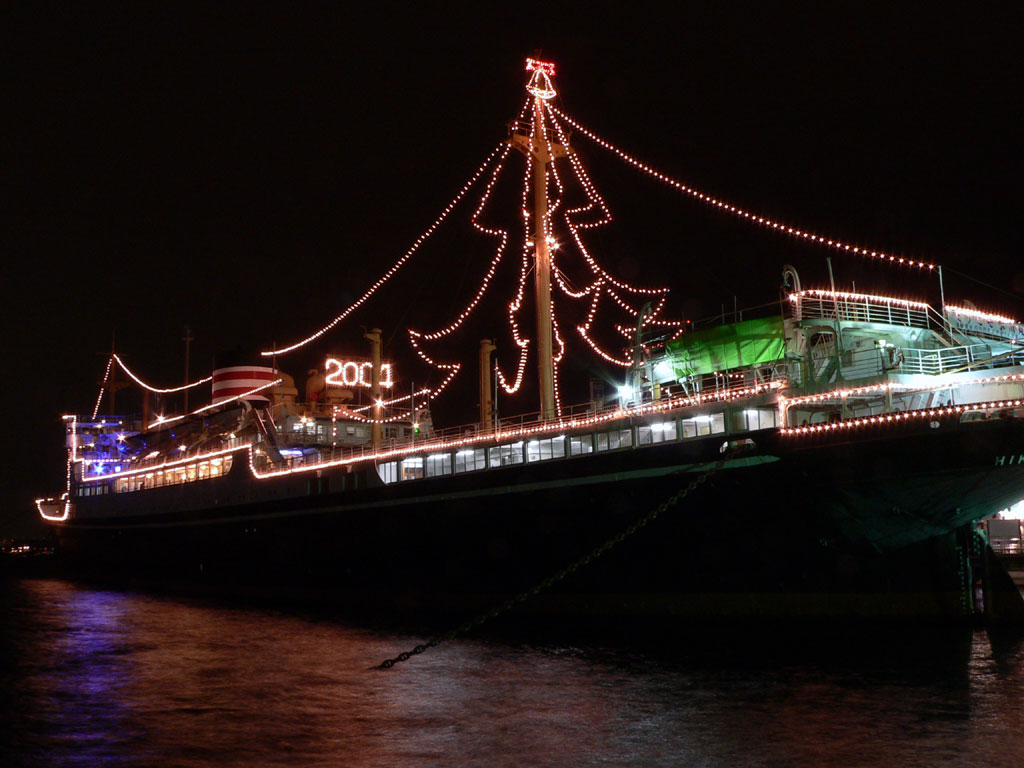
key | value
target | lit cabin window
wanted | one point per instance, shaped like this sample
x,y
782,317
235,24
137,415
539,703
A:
x,y
439,464
759,418
174,475
614,439
504,455
548,448
581,444
412,468
705,424
659,432
470,459
388,471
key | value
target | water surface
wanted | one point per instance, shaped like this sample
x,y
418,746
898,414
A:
x,y
94,677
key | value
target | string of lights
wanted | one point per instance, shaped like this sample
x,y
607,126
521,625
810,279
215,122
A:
x,y
517,302
41,505
414,335
65,498
385,403
597,201
500,149
940,382
452,368
855,297
738,211
168,463
897,418
163,421
584,329
158,390
674,403
556,359
601,277
103,386
501,234
976,315
552,426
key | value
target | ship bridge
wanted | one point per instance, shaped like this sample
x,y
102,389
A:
x,y
838,354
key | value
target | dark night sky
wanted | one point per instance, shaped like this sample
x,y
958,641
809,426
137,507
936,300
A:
x,y
250,170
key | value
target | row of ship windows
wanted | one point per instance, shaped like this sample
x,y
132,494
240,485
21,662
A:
x,y
472,459
529,451
186,473
93,489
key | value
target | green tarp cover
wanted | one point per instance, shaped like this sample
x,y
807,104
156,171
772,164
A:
x,y
750,342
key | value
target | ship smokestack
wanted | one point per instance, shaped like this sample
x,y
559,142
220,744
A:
x,y
235,375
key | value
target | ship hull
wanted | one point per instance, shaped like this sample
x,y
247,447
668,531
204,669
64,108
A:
x,y
868,524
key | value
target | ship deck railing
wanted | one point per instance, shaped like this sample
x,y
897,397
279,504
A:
x,y
527,422
157,462
860,365
994,329
1006,546
859,308
868,309
510,428
964,358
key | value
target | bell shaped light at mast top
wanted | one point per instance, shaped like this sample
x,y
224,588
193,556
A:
x,y
540,84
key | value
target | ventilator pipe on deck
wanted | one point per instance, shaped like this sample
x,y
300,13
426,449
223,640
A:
x,y
486,401
373,336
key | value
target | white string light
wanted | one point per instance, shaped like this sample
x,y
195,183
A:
x,y
501,434
158,390
845,392
736,210
106,378
162,421
501,234
986,316
601,276
166,464
517,301
856,297
901,417
385,403
499,149
552,426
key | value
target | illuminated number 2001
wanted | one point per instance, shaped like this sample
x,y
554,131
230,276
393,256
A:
x,y
352,373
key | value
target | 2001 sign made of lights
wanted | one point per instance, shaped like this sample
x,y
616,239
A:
x,y
355,373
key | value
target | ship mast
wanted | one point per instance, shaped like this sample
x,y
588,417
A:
x,y
531,140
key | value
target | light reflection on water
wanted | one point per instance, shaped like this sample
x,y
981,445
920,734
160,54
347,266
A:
x,y
94,677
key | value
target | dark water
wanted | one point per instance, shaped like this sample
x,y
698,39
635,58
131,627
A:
x,y
92,677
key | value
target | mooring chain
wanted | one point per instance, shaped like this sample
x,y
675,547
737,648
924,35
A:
x,y
560,575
